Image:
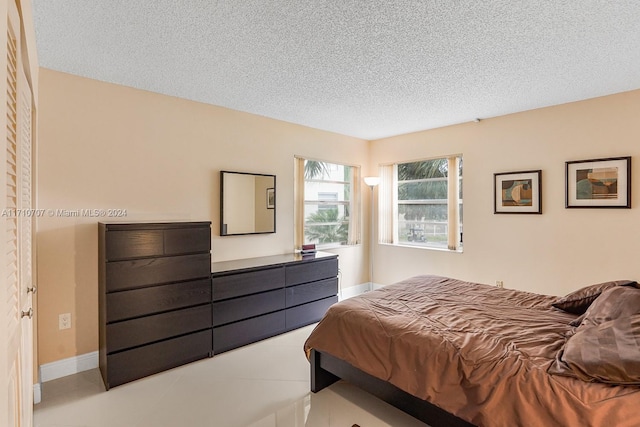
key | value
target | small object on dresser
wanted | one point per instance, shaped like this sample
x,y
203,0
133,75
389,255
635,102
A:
x,y
308,249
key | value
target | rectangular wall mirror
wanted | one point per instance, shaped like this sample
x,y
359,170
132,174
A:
x,y
247,203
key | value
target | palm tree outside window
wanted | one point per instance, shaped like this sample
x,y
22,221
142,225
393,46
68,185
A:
x,y
330,206
429,203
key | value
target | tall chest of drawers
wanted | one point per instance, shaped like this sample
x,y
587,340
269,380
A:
x,y
155,297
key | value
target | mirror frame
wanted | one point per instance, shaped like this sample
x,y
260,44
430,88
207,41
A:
x,y
222,223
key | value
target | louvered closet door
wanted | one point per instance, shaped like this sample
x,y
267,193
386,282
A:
x,y
25,245
18,233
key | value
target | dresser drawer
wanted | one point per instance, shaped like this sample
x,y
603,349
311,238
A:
x,y
140,302
122,275
311,271
231,310
241,284
134,244
247,331
306,314
132,333
140,362
187,240
128,244
313,291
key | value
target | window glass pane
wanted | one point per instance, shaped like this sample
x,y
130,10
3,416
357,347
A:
x,y
423,224
313,189
323,226
327,195
323,171
436,168
423,203
314,213
428,189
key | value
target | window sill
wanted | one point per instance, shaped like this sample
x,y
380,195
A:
x,y
430,248
335,246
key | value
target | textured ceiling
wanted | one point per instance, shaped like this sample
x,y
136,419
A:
x,y
366,68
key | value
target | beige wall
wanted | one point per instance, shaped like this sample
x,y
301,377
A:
x,y
104,146
552,253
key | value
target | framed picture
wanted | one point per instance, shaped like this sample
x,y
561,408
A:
x,y
271,198
599,183
517,192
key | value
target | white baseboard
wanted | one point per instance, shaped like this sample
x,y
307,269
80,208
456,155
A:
x,y
37,393
70,366
375,286
352,291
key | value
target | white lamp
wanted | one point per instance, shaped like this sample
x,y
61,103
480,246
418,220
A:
x,y
371,181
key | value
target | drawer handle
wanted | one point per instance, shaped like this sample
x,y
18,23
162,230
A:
x,y
28,313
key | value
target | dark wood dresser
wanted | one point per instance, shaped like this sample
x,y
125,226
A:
x,y
155,297
258,298
162,303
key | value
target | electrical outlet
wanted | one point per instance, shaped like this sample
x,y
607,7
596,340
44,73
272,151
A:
x,y
499,283
64,321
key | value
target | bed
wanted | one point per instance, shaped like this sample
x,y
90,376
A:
x,y
454,353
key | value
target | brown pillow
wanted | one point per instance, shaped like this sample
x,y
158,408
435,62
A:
x,y
614,303
607,353
578,301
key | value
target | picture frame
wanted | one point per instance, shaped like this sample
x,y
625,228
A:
x,y
598,183
271,198
517,192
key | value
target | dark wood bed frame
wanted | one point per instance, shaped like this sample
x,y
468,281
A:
x,y
327,369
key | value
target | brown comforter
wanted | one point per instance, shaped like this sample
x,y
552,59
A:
x,y
478,352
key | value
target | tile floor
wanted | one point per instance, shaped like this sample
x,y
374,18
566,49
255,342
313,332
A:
x,y
265,384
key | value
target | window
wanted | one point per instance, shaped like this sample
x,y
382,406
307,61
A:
x,y
424,203
327,197
327,207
